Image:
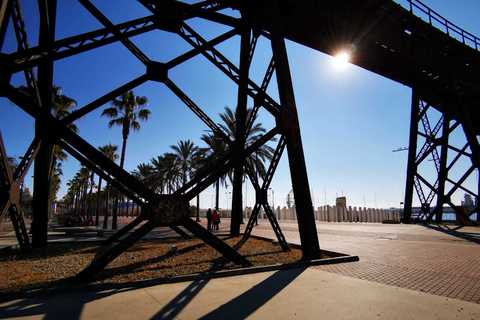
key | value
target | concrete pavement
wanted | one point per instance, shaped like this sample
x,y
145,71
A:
x,y
291,294
440,260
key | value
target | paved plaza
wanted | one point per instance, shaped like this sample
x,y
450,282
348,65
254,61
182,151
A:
x,y
441,260
405,271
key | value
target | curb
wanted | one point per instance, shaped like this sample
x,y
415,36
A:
x,y
337,258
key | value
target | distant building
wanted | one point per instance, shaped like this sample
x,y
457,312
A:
x,y
468,201
290,199
341,202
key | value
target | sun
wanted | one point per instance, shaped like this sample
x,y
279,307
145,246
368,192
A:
x,y
341,61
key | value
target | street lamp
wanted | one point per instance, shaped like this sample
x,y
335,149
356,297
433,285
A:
x,y
226,204
228,199
273,199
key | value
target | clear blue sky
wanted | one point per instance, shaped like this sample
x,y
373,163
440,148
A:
x,y
351,120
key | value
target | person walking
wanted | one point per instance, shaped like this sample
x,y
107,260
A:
x,y
215,219
209,219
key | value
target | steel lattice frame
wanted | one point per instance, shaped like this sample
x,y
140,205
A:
x,y
161,210
10,191
444,157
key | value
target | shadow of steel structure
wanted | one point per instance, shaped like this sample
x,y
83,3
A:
x,y
382,36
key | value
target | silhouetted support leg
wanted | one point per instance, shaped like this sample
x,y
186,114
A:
x,y
182,233
412,152
443,174
276,228
123,231
20,229
240,115
215,243
290,127
5,10
47,10
249,227
114,252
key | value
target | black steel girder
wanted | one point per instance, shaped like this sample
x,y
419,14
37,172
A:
x,y
443,164
261,198
10,191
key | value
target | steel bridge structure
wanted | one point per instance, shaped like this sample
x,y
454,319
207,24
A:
x,y
433,56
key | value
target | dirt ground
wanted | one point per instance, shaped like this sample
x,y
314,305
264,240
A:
x,y
56,264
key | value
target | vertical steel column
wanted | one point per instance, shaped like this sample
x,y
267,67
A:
x,y
288,123
412,151
240,117
443,174
47,9
5,10
478,196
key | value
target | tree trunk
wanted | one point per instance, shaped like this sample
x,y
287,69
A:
x,y
115,212
53,163
107,209
89,214
217,195
122,157
85,188
198,207
97,211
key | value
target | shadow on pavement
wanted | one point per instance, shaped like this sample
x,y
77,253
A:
x,y
176,305
239,308
250,301
56,307
469,236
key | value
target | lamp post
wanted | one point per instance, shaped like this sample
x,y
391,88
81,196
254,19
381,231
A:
x,y
273,199
401,210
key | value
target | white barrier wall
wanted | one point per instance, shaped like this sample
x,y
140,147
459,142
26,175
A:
x,y
336,214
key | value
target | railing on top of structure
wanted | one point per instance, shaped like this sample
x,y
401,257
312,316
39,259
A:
x,y
443,24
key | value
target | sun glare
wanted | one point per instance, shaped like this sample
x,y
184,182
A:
x,y
341,61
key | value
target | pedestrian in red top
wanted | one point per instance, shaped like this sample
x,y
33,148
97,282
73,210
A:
x,y
215,219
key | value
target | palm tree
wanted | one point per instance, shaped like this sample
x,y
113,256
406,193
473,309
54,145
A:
x,y
145,172
255,160
186,153
109,151
167,173
84,175
188,160
264,153
62,106
198,163
216,148
125,111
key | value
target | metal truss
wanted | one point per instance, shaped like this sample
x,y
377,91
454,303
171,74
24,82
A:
x,y
161,209
443,161
262,198
10,191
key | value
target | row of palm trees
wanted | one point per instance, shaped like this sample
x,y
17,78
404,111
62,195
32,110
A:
x,y
62,106
165,173
78,201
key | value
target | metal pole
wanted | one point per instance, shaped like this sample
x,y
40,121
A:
x,y
273,199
